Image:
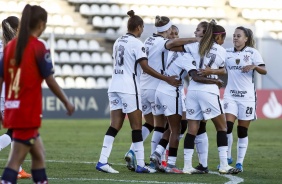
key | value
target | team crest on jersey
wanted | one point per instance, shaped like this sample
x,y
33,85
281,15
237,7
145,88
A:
x,y
237,61
143,49
246,58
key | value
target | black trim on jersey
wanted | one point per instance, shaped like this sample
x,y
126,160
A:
x,y
165,45
130,34
220,67
157,35
261,65
235,50
163,63
221,112
140,59
184,50
177,96
136,91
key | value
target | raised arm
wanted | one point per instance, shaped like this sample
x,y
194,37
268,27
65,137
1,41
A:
x,y
179,42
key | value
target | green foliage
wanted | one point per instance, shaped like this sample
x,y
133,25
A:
x,y
73,148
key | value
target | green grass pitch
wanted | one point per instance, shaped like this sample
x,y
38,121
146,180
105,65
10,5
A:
x,y
73,148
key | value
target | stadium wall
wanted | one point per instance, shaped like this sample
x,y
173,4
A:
x,y
93,103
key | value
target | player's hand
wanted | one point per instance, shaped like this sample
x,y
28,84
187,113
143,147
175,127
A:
x,y
205,72
70,108
219,83
247,68
172,80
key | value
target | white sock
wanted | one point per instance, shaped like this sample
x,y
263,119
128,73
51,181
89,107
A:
x,y
229,142
20,169
156,137
160,149
139,153
171,160
5,140
106,149
164,155
202,147
188,154
222,152
242,146
145,134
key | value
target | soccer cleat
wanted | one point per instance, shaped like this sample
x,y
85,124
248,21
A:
x,y
190,170
239,166
164,163
145,169
105,168
201,169
23,175
228,170
229,161
156,159
172,169
130,160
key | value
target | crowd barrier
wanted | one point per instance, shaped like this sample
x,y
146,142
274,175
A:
x,y
94,103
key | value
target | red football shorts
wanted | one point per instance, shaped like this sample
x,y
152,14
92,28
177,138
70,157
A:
x,y
25,135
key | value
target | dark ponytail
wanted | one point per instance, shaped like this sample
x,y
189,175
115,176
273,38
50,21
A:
x,y
134,21
9,28
31,17
207,40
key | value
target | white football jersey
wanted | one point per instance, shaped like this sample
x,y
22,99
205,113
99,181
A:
x,y
127,52
157,56
179,64
214,59
240,86
1,56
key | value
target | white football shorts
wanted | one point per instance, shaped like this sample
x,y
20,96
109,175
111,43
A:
x,y
127,102
168,105
202,105
183,96
243,110
148,101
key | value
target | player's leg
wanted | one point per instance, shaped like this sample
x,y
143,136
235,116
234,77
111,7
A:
x,y
231,113
38,162
202,147
246,114
117,118
6,139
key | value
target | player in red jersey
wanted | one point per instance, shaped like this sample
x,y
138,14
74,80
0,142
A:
x,y
9,29
26,63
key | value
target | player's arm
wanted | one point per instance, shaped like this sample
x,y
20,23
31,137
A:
x,y
208,71
177,44
260,69
204,80
147,69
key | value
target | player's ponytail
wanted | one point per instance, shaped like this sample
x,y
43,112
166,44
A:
x,y
9,28
207,40
31,17
134,21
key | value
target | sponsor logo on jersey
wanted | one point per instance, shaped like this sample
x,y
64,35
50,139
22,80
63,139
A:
x,y
115,102
235,67
237,61
207,111
237,93
190,111
13,104
117,71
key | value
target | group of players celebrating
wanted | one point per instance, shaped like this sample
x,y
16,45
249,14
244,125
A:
x,y
148,79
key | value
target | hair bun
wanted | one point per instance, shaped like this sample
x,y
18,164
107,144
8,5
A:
x,y
213,22
131,13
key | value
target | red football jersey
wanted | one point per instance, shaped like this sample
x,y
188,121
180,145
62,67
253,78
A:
x,y
23,92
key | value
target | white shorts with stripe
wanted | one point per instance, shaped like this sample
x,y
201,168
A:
x,y
127,102
202,105
168,105
243,110
183,96
148,101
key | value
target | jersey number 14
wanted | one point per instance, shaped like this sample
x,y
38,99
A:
x,y
15,81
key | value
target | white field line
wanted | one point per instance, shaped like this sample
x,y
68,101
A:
x,y
233,179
